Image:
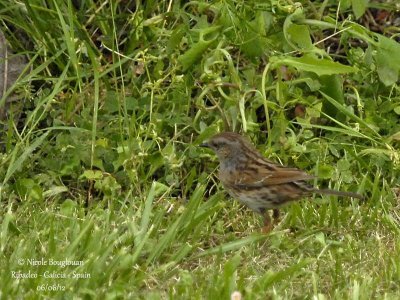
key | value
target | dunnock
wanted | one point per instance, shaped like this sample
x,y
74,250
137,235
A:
x,y
257,182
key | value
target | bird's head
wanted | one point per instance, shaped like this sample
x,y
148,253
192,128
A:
x,y
227,145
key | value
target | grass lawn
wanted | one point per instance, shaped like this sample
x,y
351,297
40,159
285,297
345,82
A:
x,y
106,194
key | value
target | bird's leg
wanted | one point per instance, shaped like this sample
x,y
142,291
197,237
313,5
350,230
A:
x,y
275,215
267,223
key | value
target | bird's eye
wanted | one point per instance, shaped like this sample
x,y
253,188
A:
x,y
218,145
215,145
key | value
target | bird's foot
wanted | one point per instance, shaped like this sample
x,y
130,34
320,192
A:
x,y
268,223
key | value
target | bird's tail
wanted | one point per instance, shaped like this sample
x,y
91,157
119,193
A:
x,y
339,193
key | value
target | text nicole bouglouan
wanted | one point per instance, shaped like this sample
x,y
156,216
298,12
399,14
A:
x,y
52,272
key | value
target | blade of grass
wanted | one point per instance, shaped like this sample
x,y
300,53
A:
x,y
349,114
346,130
271,278
16,164
93,59
189,213
68,37
145,220
237,244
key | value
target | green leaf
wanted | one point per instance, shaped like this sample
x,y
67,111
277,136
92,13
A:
x,y
325,171
196,50
270,277
28,189
234,245
387,57
359,7
254,43
311,63
146,213
333,87
176,37
55,190
18,163
300,36
91,175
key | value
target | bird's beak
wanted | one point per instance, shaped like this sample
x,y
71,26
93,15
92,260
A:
x,y
205,145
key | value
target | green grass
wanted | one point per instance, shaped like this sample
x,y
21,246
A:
x,y
103,168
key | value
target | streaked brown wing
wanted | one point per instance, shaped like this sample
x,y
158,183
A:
x,y
265,177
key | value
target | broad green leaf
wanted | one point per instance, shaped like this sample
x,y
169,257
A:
x,y
300,36
297,36
359,7
176,37
332,85
311,63
196,50
387,59
254,41
28,189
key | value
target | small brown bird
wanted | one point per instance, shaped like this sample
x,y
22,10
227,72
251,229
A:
x,y
257,182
